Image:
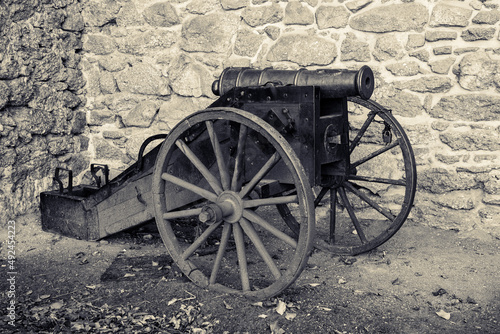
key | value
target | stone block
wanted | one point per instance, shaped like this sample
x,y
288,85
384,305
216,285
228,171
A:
x,y
393,17
357,5
449,15
303,50
387,47
107,151
79,122
487,17
440,35
188,78
114,62
161,14
415,41
401,103
209,33
273,32
332,17
98,44
4,94
142,115
405,68
247,43
477,71
471,108
442,66
472,140
100,117
426,84
59,145
234,4
177,108
422,55
296,13
354,49
478,34
97,13
441,181
202,7
261,15
139,42
21,91
107,83
129,16
442,50
142,78
74,19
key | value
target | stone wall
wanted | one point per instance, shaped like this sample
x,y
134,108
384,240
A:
x,y
149,63
41,99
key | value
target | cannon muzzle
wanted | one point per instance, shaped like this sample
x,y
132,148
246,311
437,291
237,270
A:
x,y
332,83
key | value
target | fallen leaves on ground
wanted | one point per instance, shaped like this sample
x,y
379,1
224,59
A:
x,y
443,314
44,315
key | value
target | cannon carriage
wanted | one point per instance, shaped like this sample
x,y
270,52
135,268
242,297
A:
x,y
242,191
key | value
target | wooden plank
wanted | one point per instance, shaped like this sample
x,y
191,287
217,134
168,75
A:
x,y
130,206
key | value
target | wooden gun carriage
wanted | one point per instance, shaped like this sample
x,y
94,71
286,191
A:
x,y
242,190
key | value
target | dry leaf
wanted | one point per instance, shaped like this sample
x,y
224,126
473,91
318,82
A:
x,y
290,316
275,329
44,296
57,305
259,304
229,307
324,308
155,264
172,301
314,284
281,308
128,275
263,316
342,281
443,314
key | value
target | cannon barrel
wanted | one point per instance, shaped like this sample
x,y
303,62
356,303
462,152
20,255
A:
x,y
333,83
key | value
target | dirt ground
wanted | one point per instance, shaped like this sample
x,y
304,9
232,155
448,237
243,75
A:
x,y
423,280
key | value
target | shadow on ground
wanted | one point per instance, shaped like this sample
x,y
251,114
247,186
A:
x,y
423,280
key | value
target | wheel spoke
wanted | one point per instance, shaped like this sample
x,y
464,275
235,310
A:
x,y
226,232
182,213
214,183
377,180
365,198
255,218
198,242
189,186
362,131
239,158
321,194
273,160
375,154
333,213
270,201
242,258
352,215
254,237
221,163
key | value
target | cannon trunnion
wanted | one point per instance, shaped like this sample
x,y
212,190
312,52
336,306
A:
x,y
282,161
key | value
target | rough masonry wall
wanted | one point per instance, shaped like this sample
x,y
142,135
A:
x,y
437,63
149,63
41,87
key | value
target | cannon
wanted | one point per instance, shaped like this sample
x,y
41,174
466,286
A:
x,y
242,191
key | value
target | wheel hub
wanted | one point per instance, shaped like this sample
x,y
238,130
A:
x,y
228,207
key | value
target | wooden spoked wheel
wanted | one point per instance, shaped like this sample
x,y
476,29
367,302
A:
x,y
217,231
361,210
